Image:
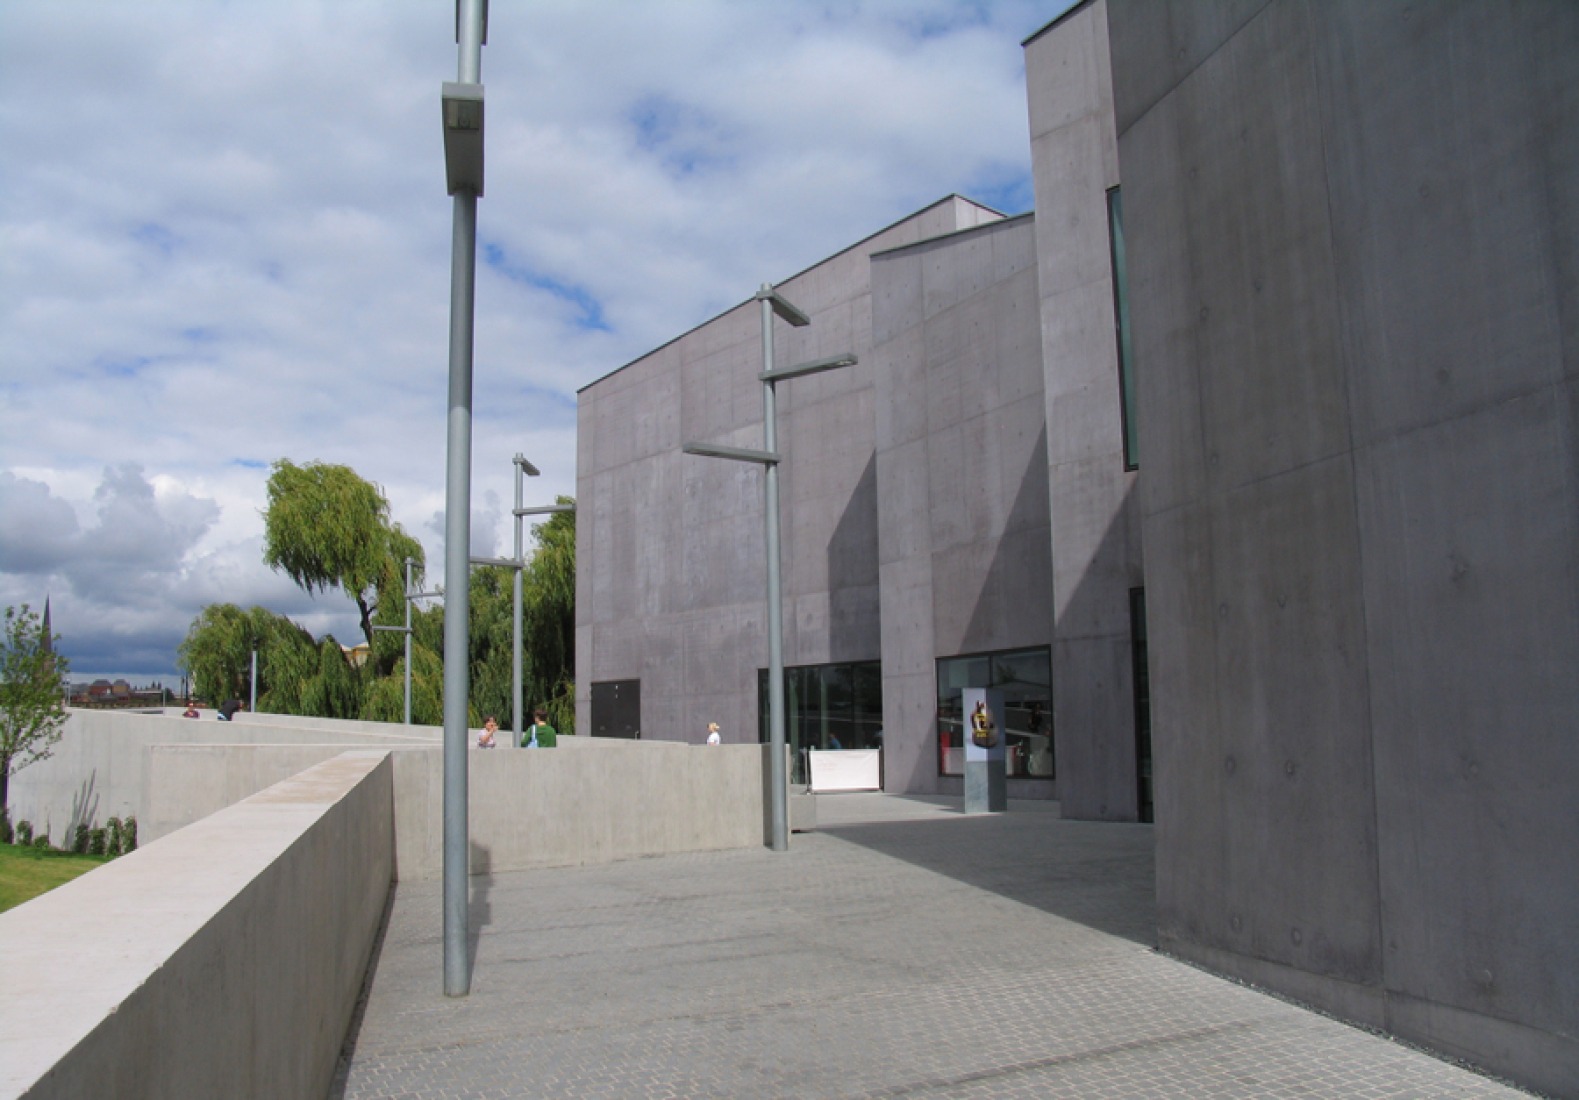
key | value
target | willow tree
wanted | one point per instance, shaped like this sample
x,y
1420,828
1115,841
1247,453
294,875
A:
x,y
548,621
327,527
548,613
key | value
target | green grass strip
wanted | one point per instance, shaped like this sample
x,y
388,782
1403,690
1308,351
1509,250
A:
x,y
26,873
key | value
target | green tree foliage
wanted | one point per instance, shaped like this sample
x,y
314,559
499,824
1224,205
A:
x,y
32,694
549,612
325,527
296,675
217,651
548,616
385,700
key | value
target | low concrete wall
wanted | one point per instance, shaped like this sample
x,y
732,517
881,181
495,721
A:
x,y
98,768
223,960
595,802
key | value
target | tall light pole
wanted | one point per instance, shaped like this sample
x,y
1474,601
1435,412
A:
x,y
773,303
463,165
517,565
406,630
523,469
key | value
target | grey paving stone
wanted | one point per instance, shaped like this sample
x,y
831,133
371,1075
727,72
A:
x,y
904,950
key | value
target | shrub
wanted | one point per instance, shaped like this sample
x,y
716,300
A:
x,y
129,834
79,843
96,843
41,840
112,837
24,832
5,826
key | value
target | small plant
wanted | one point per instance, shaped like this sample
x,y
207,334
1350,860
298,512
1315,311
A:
x,y
96,843
41,840
24,832
5,826
112,836
79,842
129,834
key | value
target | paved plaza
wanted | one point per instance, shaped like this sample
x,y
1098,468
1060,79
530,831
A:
x,y
902,950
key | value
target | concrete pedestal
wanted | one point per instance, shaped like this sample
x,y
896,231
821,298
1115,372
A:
x,y
986,774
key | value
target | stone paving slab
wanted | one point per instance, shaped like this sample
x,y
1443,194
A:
x,y
903,950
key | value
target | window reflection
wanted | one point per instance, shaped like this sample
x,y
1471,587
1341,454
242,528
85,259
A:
x,y
1025,677
826,707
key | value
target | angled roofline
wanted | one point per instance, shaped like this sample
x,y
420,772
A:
x,y
832,256
1008,219
1073,8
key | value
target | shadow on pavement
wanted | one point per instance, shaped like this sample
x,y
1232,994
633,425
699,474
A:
x,y
1099,874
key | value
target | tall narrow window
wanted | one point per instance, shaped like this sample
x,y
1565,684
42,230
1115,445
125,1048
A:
x,y
1126,353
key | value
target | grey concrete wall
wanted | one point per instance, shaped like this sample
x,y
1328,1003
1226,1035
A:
x,y
595,801
671,574
1096,542
98,768
964,563
1354,245
224,960
548,808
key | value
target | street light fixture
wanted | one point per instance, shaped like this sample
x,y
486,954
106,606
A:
x,y
773,303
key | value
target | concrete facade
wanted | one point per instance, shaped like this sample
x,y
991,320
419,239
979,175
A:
x,y
1354,256
671,573
962,499
960,493
1095,524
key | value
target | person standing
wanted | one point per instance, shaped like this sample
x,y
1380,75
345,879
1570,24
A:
x,y
488,738
539,735
712,734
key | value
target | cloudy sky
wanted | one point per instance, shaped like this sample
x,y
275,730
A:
x,y
225,240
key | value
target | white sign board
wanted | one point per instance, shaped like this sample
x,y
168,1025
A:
x,y
845,770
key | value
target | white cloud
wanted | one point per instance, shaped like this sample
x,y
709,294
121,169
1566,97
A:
x,y
226,241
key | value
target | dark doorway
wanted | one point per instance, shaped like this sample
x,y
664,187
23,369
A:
x,y
616,709
1137,635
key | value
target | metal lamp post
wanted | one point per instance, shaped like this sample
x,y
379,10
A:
x,y
406,630
463,164
773,303
518,565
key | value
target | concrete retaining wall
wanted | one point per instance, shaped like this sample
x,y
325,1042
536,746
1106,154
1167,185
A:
x,y
592,803
98,768
224,960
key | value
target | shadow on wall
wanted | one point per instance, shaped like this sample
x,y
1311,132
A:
x,y
84,808
1015,604
1097,874
1094,678
853,625
1012,607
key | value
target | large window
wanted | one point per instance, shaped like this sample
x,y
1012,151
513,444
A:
x,y
1025,676
1126,352
827,707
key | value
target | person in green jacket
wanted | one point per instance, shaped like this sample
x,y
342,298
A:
x,y
539,734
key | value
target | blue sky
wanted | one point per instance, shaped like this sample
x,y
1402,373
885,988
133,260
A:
x,y
224,240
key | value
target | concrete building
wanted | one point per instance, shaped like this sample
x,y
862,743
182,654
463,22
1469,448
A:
x,y
1296,310
1353,249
